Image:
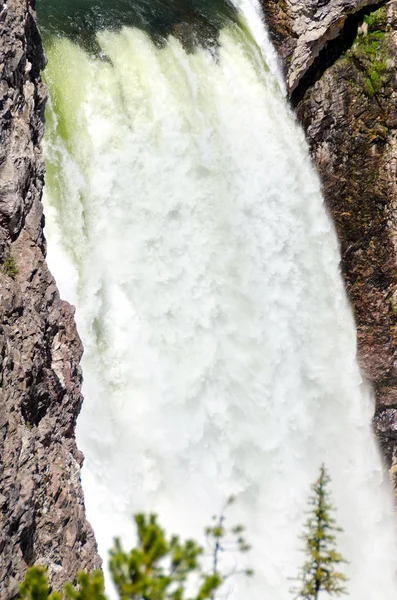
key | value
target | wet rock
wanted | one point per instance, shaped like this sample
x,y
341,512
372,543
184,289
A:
x,y
42,518
349,113
302,28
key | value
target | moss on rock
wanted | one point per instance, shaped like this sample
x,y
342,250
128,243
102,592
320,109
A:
x,y
350,121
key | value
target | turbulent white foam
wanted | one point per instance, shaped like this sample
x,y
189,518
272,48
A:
x,y
186,223
252,13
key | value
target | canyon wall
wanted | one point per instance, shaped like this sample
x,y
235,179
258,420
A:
x,y
41,501
340,64
340,59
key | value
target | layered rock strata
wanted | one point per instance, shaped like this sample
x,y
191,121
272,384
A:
x,y
42,517
340,62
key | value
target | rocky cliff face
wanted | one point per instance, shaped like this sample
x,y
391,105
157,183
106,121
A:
x,y
42,517
302,29
340,59
340,63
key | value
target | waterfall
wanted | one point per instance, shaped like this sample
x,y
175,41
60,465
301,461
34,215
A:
x,y
186,223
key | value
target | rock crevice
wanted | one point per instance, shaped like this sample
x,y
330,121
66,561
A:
x,y
41,502
348,110
332,51
347,105
309,25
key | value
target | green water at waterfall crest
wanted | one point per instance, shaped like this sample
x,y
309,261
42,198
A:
x,y
186,223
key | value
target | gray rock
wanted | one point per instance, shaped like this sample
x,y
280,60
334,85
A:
x,y
42,518
312,24
349,114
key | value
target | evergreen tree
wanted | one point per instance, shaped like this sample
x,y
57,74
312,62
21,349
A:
x,y
89,586
320,571
35,587
224,539
156,569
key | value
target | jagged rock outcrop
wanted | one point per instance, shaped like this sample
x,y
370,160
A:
x,y
349,113
42,517
347,101
302,28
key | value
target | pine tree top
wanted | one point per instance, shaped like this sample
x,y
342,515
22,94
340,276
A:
x,y
319,571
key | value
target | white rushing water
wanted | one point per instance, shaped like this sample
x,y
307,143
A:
x,y
186,224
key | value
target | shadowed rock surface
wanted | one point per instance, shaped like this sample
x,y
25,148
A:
x,y
302,28
346,101
41,501
349,113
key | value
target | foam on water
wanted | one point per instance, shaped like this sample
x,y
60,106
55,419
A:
x,y
186,223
